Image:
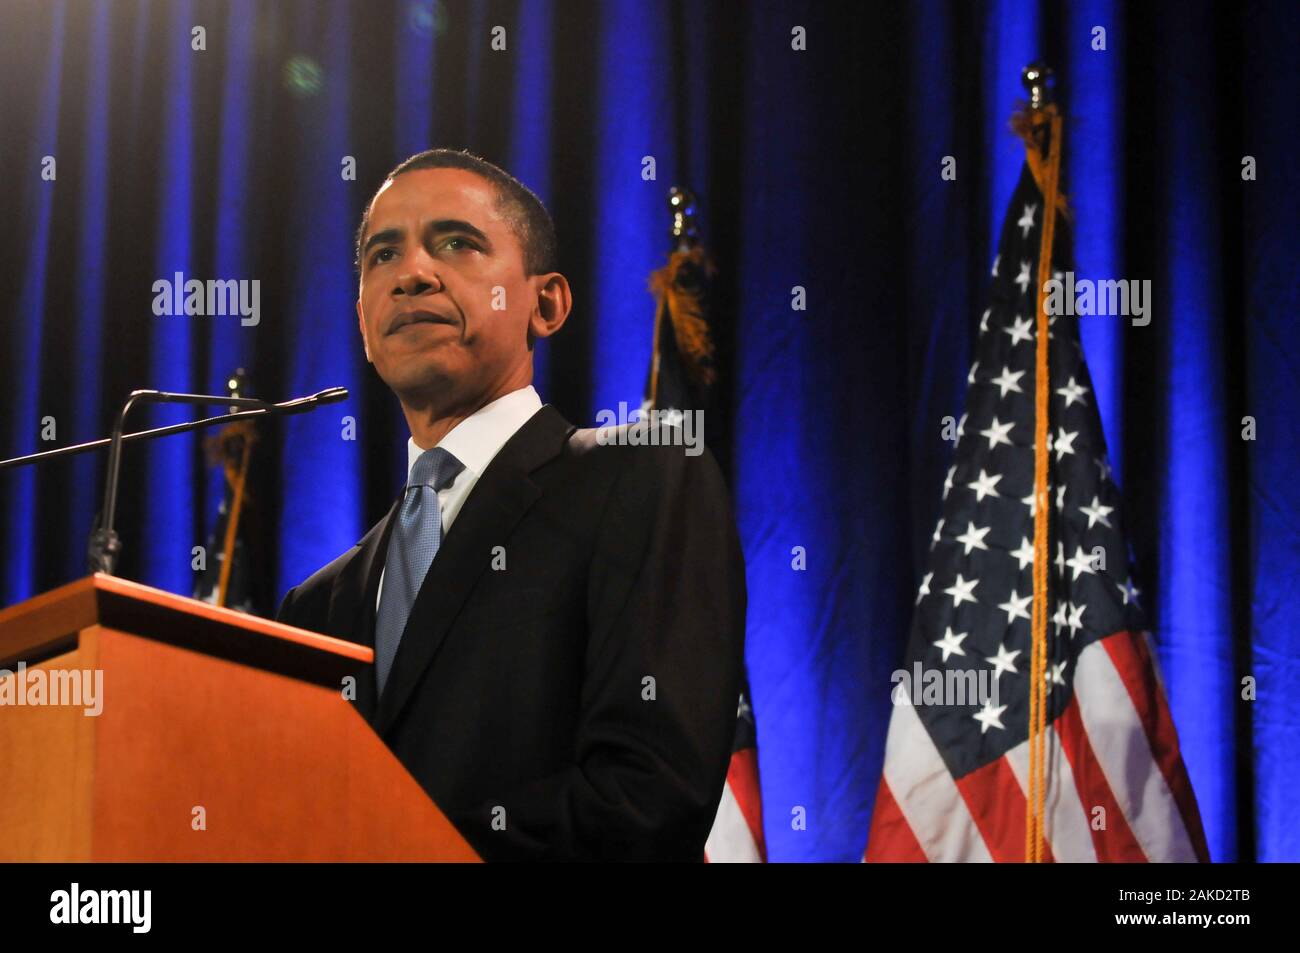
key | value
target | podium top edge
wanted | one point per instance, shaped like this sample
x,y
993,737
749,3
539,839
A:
x,y
243,620
120,604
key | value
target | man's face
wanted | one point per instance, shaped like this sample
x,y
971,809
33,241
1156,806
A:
x,y
437,262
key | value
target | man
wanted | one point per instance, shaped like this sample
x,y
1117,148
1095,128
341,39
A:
x,y
557,619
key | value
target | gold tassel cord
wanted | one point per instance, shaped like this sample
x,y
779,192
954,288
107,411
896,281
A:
x,y
1047,174
684,307
1024,124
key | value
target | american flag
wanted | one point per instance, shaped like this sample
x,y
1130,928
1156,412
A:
x,y
956,776
737,833
680,377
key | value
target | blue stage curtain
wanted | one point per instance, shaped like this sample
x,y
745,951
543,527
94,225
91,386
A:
x,y
818,173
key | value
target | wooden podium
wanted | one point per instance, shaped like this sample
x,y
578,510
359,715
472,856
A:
x,y
221,737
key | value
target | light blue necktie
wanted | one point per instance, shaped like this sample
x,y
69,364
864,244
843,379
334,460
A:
x,y
411,548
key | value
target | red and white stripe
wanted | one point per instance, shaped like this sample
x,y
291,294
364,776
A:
x,y
737,833
1117,788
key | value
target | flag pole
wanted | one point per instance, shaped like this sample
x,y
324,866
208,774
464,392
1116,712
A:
x,y
681,203
1040,126
235,444
236,476
678,300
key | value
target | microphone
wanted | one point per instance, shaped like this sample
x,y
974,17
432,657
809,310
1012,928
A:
x,y
296,406
104,546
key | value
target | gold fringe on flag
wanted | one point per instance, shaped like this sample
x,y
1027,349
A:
x,y
683,305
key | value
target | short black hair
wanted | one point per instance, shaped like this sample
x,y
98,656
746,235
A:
x,y
518,204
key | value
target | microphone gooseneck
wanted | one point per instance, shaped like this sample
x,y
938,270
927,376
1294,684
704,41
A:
x,y
105,546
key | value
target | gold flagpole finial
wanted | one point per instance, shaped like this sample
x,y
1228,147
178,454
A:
x,y
681,202
1038,80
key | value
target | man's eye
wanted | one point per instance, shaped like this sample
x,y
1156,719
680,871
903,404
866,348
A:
x,y
459,243
378,257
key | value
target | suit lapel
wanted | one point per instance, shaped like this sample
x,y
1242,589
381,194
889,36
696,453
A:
x,y
352,602
500,498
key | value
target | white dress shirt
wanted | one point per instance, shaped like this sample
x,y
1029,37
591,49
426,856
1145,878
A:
x,y
474,442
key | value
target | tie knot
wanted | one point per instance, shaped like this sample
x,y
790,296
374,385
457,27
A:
x,y
436,468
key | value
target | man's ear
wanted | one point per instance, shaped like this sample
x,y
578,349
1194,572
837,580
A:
x,y
554,300
361,323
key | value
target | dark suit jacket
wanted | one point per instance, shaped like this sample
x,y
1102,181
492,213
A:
x,y
566,685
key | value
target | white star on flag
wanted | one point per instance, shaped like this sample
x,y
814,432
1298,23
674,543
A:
x,y
1080,562
1015,607
951,643
1064,442
1026,222
988,715
997,432
1055,676
1097,513
1007,381
973,538
1021,330
983,485
1060,619
1023,278
1072,392
743,708
1004,661
1031,502
1025,554
961,590
1076,617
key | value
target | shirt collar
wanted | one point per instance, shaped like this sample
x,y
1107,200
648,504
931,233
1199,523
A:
x,y
477,439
